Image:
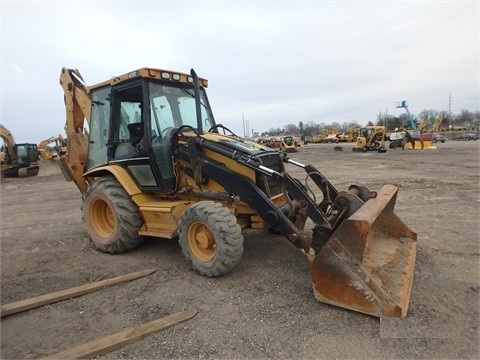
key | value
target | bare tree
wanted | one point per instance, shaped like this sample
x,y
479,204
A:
x,y
466,118
291,129
427,114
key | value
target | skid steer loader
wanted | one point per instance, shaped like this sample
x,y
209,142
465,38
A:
x,y
150,160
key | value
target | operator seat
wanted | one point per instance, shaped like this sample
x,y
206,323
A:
x,y
136,133
133,147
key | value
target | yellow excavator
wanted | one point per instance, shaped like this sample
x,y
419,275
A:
x,y
371,138
155,163
17,160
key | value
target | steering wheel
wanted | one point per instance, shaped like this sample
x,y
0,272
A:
x,y
165,132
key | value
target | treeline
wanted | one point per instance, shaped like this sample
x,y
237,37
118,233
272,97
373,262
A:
x,y
466,118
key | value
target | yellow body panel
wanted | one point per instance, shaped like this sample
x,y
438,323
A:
x,y
427,145
161,217
121,175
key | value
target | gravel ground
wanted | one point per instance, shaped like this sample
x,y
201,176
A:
x,y
265,308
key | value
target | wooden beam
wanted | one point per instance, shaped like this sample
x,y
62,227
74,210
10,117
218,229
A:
x,y
22,305
122,338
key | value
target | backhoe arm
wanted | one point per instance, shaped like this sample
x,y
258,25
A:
x,y
78,108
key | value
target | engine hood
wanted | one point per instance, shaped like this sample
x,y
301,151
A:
x,y
247,147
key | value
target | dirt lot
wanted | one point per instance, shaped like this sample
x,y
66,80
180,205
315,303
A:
x,y
265,308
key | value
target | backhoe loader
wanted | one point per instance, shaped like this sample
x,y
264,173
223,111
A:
x,y
50,150
150,160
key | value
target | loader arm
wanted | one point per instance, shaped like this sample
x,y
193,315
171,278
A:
x,y
78,109
290,226
362,254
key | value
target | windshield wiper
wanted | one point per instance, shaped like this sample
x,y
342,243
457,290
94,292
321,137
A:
x,y
187,91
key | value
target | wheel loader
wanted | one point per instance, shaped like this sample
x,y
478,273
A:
x,y
146,153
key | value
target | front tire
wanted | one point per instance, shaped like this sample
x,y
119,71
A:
x,y
210,238
111,218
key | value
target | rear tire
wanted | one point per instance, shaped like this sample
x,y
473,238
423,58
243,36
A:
x,y
210,238
111,218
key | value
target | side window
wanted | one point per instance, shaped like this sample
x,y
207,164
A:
x,y
161,115
99,127
129,113
187,108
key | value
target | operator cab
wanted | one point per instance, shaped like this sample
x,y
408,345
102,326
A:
x,y
132,125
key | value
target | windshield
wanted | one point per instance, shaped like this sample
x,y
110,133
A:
x,y
174,106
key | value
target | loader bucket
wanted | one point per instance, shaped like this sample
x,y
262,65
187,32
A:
x,y
421,145
49,167
367,264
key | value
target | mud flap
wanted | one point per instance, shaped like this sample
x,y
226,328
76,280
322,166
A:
x,y
367,264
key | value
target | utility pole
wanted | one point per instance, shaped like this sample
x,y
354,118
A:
x,y
449,109
243,119
386,117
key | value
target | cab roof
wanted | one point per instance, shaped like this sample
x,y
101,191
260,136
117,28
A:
x,y
151,73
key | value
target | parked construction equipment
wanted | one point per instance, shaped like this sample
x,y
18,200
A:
x,y
17,160
371,138
288,144
154,163
52,148
50,151
410,137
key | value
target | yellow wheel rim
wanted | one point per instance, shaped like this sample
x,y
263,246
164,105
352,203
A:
x,y
102,219
201,242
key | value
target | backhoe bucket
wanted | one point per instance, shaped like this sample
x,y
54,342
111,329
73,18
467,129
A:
x,y
367,264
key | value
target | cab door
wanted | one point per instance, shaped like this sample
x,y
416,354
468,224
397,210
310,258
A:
x,y
134,145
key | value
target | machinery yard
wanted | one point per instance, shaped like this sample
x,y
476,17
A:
x,y
265,307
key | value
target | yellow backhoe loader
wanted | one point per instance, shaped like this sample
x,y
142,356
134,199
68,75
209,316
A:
x,y
50,150
155,163
17,160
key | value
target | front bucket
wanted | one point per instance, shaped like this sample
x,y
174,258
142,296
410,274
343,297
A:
x,y
367,264
421,145
49,167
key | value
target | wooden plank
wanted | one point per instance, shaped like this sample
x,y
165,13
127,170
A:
x,y
22,305
122,338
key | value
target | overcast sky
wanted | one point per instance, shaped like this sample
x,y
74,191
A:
x,y
277,62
